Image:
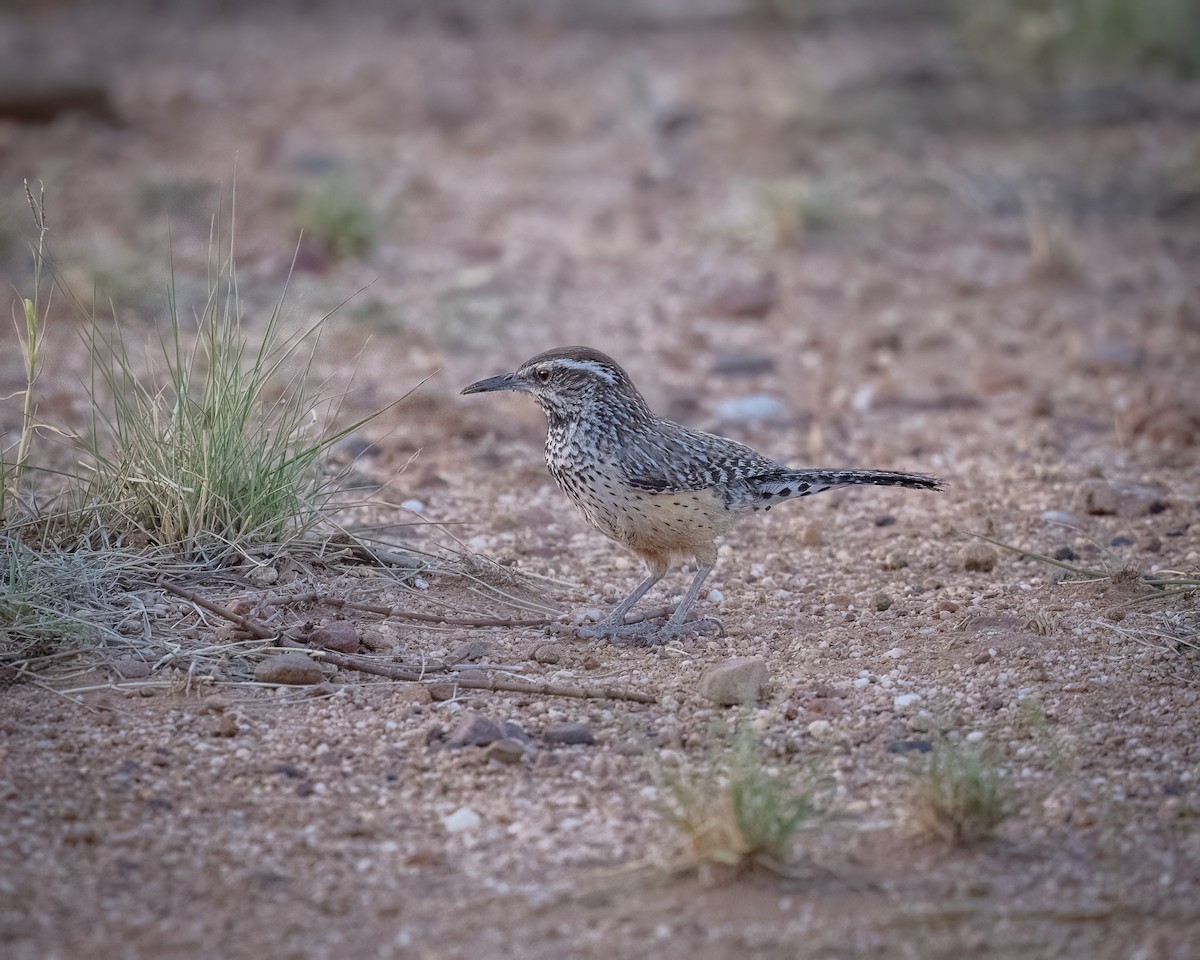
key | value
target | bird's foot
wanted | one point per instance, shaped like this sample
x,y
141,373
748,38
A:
x,y
646,632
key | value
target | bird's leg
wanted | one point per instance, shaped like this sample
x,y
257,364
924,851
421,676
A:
x,y
621,609
611,625
614,625
690,597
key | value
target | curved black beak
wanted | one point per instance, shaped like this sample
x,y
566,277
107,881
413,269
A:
x,y
506,381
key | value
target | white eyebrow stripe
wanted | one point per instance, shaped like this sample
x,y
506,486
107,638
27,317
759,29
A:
x,y
588,366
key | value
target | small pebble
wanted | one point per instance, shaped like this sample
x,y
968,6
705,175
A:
x,y
289,668
132,668
895,560
812,536
753,409
462,820
734,681
340,635
881,601
907,699
910,746
514,731
475,730
226,726
978,557
549,653
569,733
1059,516
506,750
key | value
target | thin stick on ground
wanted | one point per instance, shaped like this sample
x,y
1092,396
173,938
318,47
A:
x,y
410,674
498,684
397,614
248,624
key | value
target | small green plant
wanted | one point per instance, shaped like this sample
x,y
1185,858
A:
x,y
735,812
959,795
1031,714
800,208
1056,40
336,217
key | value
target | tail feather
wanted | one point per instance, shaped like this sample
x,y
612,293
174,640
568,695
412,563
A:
x,y
788,484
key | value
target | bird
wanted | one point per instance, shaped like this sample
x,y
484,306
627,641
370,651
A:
x,y
660,489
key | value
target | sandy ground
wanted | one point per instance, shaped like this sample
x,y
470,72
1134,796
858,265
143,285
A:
x,y
774,255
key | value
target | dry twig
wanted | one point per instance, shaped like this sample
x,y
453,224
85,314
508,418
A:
x,y
398,614
401,672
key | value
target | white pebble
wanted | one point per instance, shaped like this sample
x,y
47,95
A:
x,y
715,596
860,682
1059,516
461,820
819,728
907,699
975,736
895,653
416,506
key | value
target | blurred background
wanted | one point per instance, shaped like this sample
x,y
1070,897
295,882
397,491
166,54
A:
x,y
837,228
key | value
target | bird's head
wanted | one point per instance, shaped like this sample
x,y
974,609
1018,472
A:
x,y
567,382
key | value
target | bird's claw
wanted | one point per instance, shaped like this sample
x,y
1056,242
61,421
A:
x,y
645,632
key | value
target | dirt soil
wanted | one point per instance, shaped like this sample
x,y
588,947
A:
x,y
795,238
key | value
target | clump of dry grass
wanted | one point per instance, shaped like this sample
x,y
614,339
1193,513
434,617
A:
x,y
50,599
223,445
959,795
218,451
735,812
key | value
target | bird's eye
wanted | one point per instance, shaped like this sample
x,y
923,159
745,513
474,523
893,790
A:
x,y
543,374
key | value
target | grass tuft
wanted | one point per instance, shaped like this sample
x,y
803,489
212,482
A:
x,y
959,796
40,596
1054,253
1058,40
223,445
336,217
734,811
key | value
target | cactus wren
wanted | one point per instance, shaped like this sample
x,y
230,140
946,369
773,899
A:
x,y
661,490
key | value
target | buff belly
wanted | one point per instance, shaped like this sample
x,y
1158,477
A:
x,y
661,528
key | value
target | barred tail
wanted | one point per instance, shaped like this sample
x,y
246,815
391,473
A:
x,y
789,484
